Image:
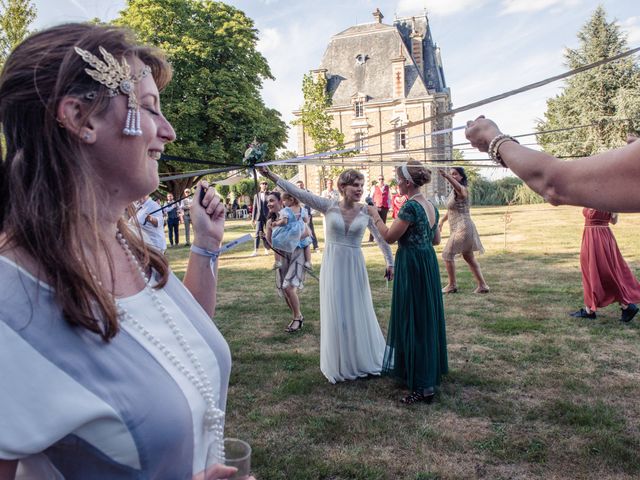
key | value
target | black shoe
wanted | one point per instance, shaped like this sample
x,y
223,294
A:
x,y
629,312
417,397
582,313
291,329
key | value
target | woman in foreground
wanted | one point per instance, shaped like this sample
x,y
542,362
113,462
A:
x,y
116,368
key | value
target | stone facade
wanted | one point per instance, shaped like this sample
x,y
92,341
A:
x,y
381,77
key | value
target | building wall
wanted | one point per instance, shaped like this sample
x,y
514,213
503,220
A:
x,y
379,116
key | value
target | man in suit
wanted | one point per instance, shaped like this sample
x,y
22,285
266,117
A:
x,y
259,214
314,240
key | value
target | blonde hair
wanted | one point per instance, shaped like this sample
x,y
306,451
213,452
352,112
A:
x,y
288,196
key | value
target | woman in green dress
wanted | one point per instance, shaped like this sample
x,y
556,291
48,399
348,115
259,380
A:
x,y
416,352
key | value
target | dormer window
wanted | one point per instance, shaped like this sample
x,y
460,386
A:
x,y
358,106
361,58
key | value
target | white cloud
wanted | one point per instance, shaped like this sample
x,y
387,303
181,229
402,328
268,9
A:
x,y
270,40
528,6
442,7
632,27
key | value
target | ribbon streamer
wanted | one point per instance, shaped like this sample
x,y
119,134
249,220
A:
x,y
213,255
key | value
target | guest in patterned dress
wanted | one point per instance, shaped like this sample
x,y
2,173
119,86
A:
x,y
606,277
416,352
463,238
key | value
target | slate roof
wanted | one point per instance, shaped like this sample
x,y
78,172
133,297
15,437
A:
x,y
376,44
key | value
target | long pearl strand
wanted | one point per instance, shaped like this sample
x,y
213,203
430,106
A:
x,y
214,417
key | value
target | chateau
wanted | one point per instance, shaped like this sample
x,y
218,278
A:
x,y
380,77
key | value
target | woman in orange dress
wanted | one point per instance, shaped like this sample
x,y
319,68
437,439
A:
x,y
606,277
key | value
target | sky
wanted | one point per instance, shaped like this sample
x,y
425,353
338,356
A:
x,y
488,46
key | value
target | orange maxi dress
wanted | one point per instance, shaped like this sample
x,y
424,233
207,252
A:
x,y
606,277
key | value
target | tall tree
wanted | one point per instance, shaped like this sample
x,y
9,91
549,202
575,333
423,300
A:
x,y
316,121
214,100
15,18
606,96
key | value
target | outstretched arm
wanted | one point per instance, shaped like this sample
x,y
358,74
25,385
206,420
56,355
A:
x,y
607,181
389,234
460,189
309,199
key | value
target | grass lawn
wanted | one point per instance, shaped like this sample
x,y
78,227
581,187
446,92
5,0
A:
x,y
531,393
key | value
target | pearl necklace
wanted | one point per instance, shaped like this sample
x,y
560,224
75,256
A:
x,y
213,417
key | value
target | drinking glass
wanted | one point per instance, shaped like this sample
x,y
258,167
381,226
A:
x,y
237,454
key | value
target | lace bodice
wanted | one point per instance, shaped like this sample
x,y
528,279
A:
x,y
337,231
419,234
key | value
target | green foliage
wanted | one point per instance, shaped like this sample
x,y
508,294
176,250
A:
x,y
214,100
499,192
285,171
15,18
314,116
523,195
244,187
607,96
223,190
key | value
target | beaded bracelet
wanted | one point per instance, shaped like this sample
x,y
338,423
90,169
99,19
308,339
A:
x,y
495,145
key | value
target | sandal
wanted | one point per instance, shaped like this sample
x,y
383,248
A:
x,y
290,328
416,397
450,289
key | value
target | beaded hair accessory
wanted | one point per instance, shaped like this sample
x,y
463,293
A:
x,y
117,77
405,173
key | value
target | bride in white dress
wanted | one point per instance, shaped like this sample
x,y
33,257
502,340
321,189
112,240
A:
x,y
351,342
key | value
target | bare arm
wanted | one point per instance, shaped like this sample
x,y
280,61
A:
x,y
389,234
460,189
208,222
8,469
437,237
607,181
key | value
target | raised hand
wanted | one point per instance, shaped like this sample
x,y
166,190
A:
x,y
480,132
207,217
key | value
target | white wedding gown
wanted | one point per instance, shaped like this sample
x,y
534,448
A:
x,y
351,342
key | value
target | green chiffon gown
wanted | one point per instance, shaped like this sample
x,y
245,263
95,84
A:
x,y
416,352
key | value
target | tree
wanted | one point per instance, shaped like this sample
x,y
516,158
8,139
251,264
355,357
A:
x,y
15,18
606,96
284,170
316,121
214,100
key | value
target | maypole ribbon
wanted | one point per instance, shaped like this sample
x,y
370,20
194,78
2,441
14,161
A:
x,y
214,254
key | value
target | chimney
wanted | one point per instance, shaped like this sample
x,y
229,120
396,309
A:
x,y
416,50
397,70
318,74
378,15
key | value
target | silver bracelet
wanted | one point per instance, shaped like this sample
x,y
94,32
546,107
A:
x,y
495,145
